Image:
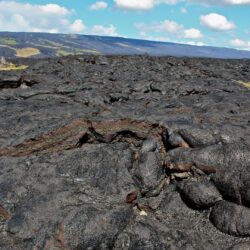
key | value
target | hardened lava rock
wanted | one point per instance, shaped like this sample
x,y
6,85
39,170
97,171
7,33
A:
x,y
231,218
125,152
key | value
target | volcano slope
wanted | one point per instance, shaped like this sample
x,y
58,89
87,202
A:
x,y
125,153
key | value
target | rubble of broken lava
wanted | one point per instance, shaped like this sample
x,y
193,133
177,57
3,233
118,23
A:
x,y
125,153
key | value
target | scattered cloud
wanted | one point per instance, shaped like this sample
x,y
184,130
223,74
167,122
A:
x,y
54,9
144,5
51,18
240,44
141,5
77,26
135,5
144,35
100,5
222,2
237,2
184,10
167,26
104,31
195,43
20,20
167,39
192,34
217,22
170,27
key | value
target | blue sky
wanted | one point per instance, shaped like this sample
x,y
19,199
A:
x,y
224,23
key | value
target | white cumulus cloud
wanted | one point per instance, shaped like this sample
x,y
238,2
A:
x,y
77,26
99,5
101,30
167,39
141,4
166,26
53,18
227,2
135,5
54,9
144,5
240,44
170,27
20,20
217,22
237,2
192,33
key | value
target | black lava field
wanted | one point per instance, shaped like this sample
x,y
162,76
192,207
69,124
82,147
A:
x,y
125,152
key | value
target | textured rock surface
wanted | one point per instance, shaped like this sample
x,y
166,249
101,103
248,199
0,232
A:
x,y
231,218
200,193
125,153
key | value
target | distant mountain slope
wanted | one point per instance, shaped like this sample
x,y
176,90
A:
x,y
41,45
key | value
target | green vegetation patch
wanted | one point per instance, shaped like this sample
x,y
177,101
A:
x,y
64,50
8,41
75,52
52,43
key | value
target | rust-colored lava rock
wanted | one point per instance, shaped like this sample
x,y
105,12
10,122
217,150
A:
x,y
78,132
131,197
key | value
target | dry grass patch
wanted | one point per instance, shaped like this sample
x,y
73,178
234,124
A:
x,y
27,52
12,67
246,84
63,53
